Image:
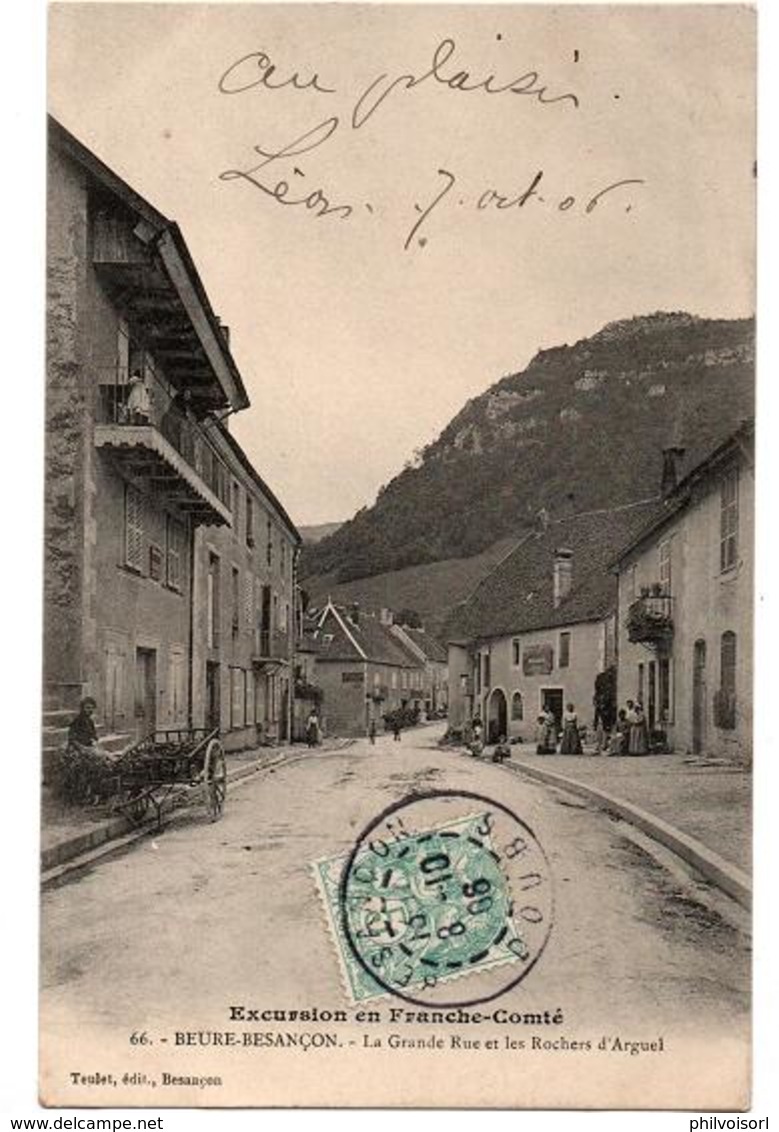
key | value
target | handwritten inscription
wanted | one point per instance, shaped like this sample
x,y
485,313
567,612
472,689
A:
x,y
315,201
277,175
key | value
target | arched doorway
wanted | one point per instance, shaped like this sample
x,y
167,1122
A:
x,y
699,697
497,720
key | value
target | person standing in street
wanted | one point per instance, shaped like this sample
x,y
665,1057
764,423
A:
x,y
312,729
396,728
372,732
638,740
572,740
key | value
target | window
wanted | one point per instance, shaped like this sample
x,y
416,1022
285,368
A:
x,y
236,591
515,654
155,562
249,521
609,642
269,547
728,552
664,567
212,602
236,508
565,650
640,689
632,582
133,528
725,698
517,712
486,670
237,697
123,351
665,690
248,600
175,543
250,707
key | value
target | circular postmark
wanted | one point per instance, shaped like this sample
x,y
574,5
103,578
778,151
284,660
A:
x,y
446,899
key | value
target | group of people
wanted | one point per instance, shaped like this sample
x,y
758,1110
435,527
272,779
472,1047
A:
x,y
630,735
547,733
475,742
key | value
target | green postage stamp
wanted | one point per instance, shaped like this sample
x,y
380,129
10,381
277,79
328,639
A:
x,y
410,910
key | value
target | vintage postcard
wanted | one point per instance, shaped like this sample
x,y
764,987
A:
x,y
399,482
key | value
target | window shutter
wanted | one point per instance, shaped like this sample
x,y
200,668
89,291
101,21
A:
x,y
133,528
249,599
173,564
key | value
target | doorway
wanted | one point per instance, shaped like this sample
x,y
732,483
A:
x,y
699,697
497,722
213,707
651,707
145,692
552,701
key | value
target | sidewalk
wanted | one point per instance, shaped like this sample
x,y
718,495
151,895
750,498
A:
x,y
709,803
67,831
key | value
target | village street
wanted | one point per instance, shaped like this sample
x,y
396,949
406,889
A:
x,y
212,915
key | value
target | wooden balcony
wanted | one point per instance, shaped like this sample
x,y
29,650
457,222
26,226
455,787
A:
x,y
171,453
650,619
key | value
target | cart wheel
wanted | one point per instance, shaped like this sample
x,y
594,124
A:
x,y
136,807
215,779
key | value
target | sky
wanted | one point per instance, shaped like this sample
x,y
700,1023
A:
x,y
443,234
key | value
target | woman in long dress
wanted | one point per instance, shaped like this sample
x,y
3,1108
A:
x,y
638,742
572,741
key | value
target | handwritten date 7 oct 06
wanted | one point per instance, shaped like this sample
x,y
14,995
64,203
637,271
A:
x,y
276,173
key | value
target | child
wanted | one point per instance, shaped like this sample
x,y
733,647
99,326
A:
x,y
502,751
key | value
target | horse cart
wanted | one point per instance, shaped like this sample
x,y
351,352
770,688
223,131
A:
x,y
166,761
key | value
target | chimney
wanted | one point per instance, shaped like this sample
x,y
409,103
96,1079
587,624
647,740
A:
x,y
542,518
672,456
385,616
225,332
354,613
562,575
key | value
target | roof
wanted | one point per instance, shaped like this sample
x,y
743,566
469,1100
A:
x,y
697,467
432,648
363,639
259,482
174,253
517,595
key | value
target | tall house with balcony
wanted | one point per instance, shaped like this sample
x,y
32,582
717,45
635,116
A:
x,y
685,603
140,474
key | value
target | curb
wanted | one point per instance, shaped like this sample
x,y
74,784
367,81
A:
x,y
729,878
118,831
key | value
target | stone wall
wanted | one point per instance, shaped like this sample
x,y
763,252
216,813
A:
x,y
64,676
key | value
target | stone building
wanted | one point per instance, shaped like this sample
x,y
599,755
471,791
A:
x,y
139,474
433,655
685,603
363,670
244,623
540,628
